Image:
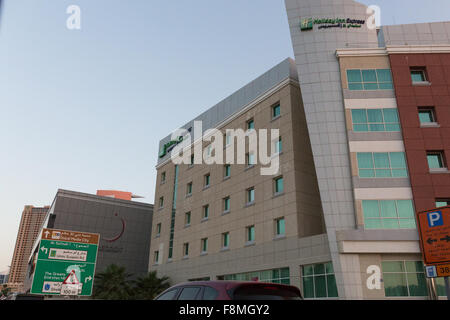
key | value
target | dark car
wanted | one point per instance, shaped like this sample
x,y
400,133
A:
x,y
230,290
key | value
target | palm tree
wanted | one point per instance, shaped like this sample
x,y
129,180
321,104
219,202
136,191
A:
x,y
112,284
149,286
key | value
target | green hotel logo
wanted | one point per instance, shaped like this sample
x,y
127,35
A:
x,y
306,24
169,146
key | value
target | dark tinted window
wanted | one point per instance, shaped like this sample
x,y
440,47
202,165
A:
x,y
268,292
210,294
189,294
169,295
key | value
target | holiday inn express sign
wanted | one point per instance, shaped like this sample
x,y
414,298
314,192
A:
x,y
327,23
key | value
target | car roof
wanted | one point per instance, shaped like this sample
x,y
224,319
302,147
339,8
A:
x,y
228,284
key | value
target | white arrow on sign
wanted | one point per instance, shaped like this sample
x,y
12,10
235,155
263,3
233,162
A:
x,y
44,249
87,279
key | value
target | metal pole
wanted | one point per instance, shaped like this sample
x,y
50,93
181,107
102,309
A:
x,y
432,293
447,287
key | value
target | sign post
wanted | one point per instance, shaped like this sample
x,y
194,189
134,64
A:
x,y
434,231
65,263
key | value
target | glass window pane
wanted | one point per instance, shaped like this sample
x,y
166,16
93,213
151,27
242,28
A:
x,y
440,204
440,287
383,173
354,76
395,285
284,273
364,173
390,223
393,127
417,285
390,115
398,160
373,224
375,116
361,128
426,116
320,286
329,268
377,127
384,75
407,224
369,76
418,76
386,86
399,173
414,266
355,86
307,270
308,287
405,209
381,160
365,160
189,294
359,116
388,209
319,269
370,86
434,161
332,287
393,266
371,209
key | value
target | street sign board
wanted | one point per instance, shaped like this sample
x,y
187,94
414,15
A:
x,y
65,263
434,231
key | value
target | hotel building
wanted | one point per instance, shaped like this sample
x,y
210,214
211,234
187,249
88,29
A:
x,y
364,119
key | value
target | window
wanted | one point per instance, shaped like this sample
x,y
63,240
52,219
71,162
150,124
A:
x,y
186,249
280,276
251,234
187,219
319,281
207,180
227,172
158,229
442,203
276,111
375,120
169,295
163,177
205,212
436,160
278,146
226,204
226,240
251,124
161,202
250,195
228,139
427,115
250,159
210,293
189,189
156,257
380,79
404,279
189,293
279,185
280,227
382,165
418,75
205,245
389,214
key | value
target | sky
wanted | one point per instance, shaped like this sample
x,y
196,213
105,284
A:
x,y
85,109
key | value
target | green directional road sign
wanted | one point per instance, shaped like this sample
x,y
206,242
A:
x,y
65,258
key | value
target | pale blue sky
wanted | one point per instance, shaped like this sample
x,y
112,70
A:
x,y
84,110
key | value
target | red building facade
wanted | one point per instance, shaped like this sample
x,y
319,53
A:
x,y
422,85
